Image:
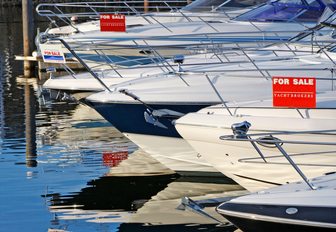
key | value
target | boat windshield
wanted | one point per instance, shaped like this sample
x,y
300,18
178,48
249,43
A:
x,y
210,5
285,11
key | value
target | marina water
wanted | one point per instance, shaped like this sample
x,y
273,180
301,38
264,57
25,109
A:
x,y
54,175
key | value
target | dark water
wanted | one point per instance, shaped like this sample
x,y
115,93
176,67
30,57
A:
x,y
53,172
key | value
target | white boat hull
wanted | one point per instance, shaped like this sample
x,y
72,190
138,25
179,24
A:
x,y
242,163
174,153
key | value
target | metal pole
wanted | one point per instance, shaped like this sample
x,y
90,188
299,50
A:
x,y
27,31
84,65
297,169
218,94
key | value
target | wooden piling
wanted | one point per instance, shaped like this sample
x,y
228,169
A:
x,y
27,30
146,4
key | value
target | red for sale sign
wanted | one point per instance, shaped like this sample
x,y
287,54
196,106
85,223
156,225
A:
x,y
295,92
112,22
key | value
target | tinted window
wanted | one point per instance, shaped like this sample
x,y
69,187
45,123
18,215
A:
x,y
208,5
285,10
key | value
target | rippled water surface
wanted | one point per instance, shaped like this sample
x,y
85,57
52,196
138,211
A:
x,y
55,169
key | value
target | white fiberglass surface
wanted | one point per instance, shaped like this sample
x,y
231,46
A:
x,y
194,28
239,159
298,194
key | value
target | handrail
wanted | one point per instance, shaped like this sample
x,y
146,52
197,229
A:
x,y
91,10
95,8
158,60
243,136
84,65
262,140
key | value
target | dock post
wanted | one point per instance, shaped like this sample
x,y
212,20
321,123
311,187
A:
x,y
27,30
145,6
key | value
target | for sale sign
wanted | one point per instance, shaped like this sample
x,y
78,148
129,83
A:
x,y
52,53
294,92
113,22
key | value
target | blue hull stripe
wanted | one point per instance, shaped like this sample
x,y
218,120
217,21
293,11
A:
x,y
129,118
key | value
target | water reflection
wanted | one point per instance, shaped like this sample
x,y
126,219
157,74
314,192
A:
x,y
2,107
125,193
30,105
145,201
142,203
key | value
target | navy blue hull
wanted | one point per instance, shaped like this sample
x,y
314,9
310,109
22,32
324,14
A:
x,y
129,118
278,219
247,225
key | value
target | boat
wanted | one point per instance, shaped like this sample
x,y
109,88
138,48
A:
x,y
272,21
82,84
135,17
209,133
144,109
199,10
290,207
295,206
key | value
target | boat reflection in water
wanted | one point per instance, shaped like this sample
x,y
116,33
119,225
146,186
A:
x,y
142,195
